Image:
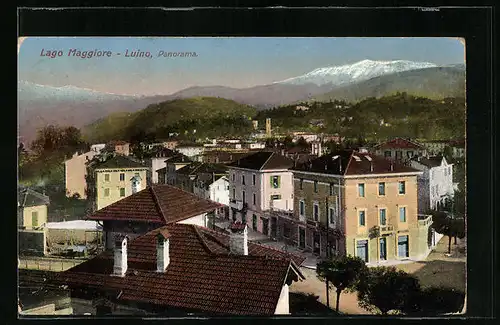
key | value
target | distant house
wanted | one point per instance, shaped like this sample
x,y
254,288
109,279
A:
x,y
258,183
114,179
120,147
181,270
31,220
186,176
435,185
173,164
158,161
32,209
97,147
190,150
435,147
75,171
222,156
399,149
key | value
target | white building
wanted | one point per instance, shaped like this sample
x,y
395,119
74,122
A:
x,y
258,183
159,161
435,185
97,147
190,150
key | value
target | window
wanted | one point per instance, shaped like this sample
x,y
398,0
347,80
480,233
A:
x,y
34,219
106,177
362,218
275,181
276,197
243,179
254,222
137,174
381,188
302,208
402,214
331,215
122,176
106,192
387,154
234,194
316,212
361,190
403,250
383,217
399,154
410,154
401,187
301,183
227,188
315,186
243,196
332,189
234,177
254,199
122,192
253,179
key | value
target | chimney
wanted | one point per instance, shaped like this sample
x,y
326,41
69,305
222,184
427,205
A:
x,y
120,251
238,239
162,250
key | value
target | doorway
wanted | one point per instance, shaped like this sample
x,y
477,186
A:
x,y
316,243
383,249
362,250
302,237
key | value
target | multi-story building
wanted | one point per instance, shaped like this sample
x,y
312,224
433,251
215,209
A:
x,y
158,161
356,203
75,171
435,185
32,209
190,150
173,164
259,183
114,179
399,149
120,147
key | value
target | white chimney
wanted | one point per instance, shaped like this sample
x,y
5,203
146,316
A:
x,y
120,262
238,239
162,251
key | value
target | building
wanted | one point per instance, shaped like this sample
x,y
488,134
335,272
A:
x,y
255,124
158,161
75,173
458,148
268,127
316,148
119,147
97,147
259,183
32,209
151,208
190,150
356,203
255,145
223,156
435,147
114,179
308,137
186,176
169,174
181,270
435,185
399,149
31,220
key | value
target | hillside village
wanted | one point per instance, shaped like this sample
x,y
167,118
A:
x,y
273,202
337,192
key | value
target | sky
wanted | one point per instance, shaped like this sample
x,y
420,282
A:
x,y
232,62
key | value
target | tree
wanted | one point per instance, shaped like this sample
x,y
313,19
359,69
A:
x,y
302,143
342,272
386,289
443,223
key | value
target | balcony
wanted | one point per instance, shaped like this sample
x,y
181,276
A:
x,y
424,220
238,205
386,229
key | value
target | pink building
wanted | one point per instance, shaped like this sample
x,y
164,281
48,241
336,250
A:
x,y
75,172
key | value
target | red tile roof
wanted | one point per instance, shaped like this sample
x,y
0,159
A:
x,y
399,143
157,203
351,162
202,275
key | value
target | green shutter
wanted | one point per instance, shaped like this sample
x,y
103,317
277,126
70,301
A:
x,y
271,181
279,181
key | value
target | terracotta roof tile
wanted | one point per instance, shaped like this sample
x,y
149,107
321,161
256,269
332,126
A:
x,y
197,278
399,143
157,203
263,160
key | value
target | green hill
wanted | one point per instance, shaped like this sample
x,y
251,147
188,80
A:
x,y
203,116
433,83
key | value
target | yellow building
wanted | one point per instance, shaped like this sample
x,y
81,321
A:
x,y
117,178
32,209
360,204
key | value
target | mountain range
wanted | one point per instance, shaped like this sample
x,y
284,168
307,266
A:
x,y
40,105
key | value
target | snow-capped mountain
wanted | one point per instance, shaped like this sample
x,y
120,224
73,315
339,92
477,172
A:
x,y
28,91
359,71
